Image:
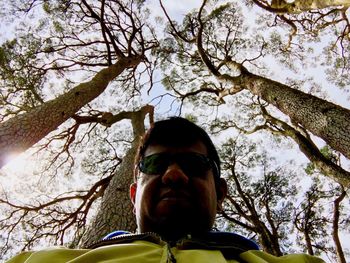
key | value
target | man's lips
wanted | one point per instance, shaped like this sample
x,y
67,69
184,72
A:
x,y
174,196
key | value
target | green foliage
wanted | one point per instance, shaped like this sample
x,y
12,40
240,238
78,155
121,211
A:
x,y
55,7
310,168
218,11
263,194
326,152
192,118
20,80
58,27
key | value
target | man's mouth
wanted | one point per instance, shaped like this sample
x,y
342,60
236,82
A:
x,y
174,196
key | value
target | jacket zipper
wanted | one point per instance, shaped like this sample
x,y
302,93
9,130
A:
x,y
151,236
170,256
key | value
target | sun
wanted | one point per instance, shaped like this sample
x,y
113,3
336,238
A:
x,y
19,163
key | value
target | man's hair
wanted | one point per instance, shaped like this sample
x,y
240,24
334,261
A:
x,y
178,132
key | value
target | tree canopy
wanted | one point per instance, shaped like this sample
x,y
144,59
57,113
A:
x,y
81,80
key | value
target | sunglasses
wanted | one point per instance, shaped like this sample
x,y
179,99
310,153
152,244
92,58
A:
x,y
192,164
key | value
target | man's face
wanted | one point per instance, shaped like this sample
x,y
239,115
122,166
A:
x,y
174,203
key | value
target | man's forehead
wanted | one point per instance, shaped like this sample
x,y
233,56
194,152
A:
x,y
197,147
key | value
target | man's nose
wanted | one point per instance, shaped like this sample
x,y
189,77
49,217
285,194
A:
x,y
174,176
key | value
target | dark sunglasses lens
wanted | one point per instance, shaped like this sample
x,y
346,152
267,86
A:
x,y
154,164
194,165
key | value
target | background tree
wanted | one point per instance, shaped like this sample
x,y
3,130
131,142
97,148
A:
x,y
119,214
206,42
104,40
269,203
117,45
310,223
309,20
262,204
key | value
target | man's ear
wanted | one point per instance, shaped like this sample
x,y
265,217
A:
x,y
132,192
221,193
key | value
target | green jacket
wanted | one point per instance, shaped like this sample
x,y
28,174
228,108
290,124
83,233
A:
x,y
150,248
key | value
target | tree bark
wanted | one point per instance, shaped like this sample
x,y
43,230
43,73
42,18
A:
x,y
116,210
310,250
335,234
299,6
23,131
324,119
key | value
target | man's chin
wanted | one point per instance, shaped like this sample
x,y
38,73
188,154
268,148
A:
x,y
173,231
174,208
176,226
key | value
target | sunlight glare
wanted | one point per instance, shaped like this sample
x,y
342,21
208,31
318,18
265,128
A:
x,y
19,163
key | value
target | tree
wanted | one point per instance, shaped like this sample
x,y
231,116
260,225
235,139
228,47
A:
x,y
299,6
336,218
114,215
108,41
263,203
316,193
23,131
314,19
218,48
309,222
314,225
119,54
306,146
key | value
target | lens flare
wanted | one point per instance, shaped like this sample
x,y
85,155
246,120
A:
x,y
19,163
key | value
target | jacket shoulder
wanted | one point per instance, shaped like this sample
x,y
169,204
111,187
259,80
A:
x,y
52,255
263,257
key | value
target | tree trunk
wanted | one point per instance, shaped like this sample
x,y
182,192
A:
x,y
299,6
324,119
269,242
116,210
335,234
23,131
306,146
310,250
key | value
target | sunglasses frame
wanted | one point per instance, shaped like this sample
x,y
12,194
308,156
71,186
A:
x,y
173,158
